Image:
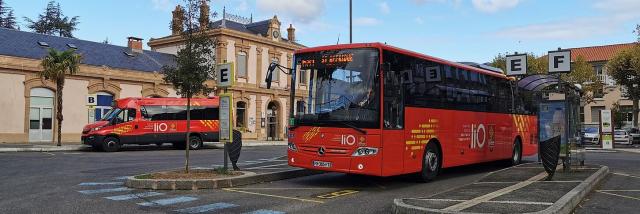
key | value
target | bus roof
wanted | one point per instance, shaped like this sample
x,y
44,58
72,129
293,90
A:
x,y
402,51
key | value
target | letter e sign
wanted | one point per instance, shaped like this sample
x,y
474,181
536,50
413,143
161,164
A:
x,y
225,74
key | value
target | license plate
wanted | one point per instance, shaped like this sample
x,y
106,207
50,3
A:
x,y
322,164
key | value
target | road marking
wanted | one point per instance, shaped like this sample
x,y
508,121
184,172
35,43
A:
x,y
96,191
267,166
265,212
623,196
100,183
499,202
121,178
336,194
206,208
168,201
133,196
615,190
274,196
615,173
495,194
283,188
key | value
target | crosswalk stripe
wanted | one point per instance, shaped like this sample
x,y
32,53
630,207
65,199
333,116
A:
x,y
265,212
96,191
133,196
100,183
168,201
206,208
121,178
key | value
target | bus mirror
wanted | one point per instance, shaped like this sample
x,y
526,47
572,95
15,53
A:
x,y
272,67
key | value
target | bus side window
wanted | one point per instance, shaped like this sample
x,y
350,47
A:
x,y
131,114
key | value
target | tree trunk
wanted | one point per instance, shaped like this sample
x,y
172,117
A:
x,y
186,163
635,112
59,87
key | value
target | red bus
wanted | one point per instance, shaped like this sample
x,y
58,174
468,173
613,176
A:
x,y
154,121
379,110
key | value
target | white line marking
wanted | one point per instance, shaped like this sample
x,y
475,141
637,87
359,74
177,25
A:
x,y
623,196
265,212
267,166
206,208
615,190
615,173
495,194
168,201
96,191
133,196
121,178
499,202
100,183
274,196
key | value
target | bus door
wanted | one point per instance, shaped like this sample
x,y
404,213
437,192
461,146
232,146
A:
x,y
125,125
393,140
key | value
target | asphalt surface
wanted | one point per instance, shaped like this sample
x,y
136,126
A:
x,y
90,182
619,192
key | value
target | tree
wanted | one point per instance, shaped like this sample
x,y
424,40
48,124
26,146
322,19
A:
x,y
106,41
195,63
617,115
53,22
55,66
8,20
624,68
582,73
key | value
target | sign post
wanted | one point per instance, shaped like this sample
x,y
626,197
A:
x,y
606,129
226,78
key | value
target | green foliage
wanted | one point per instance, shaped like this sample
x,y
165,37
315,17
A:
x,y
55,66
7,19
53,22
624,68
582,73
617,115
222,171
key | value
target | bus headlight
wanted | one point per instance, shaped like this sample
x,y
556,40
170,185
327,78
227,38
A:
x,y
292,146
365,151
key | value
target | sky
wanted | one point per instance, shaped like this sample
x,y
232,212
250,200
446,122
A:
x,y
456,30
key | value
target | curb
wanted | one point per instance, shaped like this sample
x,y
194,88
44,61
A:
x,y
564,205
249,178
45,149
248,144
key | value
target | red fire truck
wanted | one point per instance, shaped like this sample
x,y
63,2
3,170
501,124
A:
x,y
380,110
154,121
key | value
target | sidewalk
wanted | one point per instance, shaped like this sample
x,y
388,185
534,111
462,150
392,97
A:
x,y
520,189
76,146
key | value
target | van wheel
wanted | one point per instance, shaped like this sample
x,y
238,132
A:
x,y
195,142
111,144
159,144
431,162
516,156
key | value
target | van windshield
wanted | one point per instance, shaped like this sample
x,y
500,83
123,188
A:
x,y
111,114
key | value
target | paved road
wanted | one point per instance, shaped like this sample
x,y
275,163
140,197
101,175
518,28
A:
x,y
620,191
89,182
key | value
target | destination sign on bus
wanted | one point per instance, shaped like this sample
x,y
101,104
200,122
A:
x,y
327,60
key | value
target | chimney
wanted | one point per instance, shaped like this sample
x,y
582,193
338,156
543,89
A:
x,y
177,21
134,44
204,15
291,33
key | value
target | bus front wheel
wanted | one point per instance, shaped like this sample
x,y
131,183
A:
x,y
431,162
516,156
195,142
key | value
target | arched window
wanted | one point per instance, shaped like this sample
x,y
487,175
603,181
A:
x,y
277,71
241,109
241,63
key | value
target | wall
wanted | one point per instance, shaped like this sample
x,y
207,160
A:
x,y
12,105
74,107
129,90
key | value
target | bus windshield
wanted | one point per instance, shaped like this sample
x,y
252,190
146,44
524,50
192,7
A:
x,y
343,88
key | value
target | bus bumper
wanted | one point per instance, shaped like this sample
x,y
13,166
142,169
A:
x,y
365,165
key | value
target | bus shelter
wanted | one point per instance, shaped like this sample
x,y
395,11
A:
x,y
558,106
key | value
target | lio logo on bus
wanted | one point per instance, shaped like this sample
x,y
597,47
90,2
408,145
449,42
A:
x,y
347,140
478,136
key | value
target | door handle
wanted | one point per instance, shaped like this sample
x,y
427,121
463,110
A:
x,y
135,127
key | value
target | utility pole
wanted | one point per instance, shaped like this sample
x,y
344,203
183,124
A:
x,y
350,21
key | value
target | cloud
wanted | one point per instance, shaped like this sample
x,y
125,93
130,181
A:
x,y
614,15
492,6
232,5
419,20
163,5
384,7
366,21
303,11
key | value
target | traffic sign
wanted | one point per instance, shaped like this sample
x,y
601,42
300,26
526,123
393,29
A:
x,y
92,100
226,75
226,124
560,61
516,64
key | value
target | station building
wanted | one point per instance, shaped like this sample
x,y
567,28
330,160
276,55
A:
x,y
27,104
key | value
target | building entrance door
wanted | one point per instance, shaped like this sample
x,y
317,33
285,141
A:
x,y
41,115
272,121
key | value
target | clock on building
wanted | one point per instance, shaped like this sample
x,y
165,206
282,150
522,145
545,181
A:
x,y
275,34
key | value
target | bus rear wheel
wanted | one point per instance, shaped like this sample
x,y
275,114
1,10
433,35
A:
x,y
110,144
431,162
516,156
195,142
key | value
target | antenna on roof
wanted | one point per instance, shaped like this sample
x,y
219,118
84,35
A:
x,y
338,42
